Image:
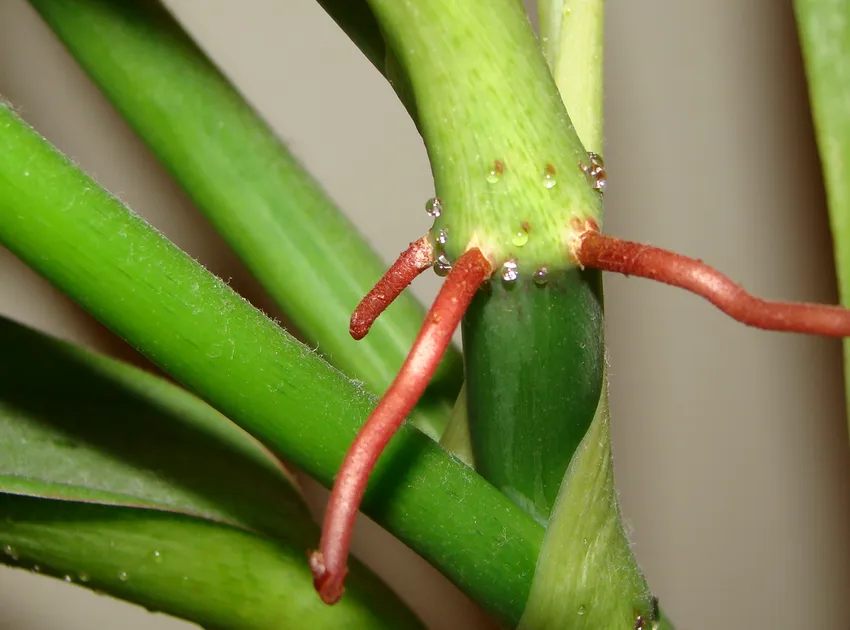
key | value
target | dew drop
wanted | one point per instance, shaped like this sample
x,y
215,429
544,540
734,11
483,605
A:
x,y
581,610
36,568
640,624
68,579
10,551
541,277
157,557
549,180
434,207
442,266
83,577
509,271
520,238
123,576
496,171
594,170
443,236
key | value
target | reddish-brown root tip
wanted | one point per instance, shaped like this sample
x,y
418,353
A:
x,y
329,563
413,261
593,249
328,585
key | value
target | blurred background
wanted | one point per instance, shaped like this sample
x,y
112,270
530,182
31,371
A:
x,y
731,446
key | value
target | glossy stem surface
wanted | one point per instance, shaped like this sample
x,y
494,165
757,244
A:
x,y
329,563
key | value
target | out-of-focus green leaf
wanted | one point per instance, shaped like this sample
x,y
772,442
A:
x,y
77,427
213,574
824,27
276,217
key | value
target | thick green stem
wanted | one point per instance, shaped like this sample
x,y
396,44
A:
x,y
534,360
82,239
507,162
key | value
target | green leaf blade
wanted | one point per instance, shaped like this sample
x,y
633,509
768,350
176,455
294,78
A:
x,y
210,573
824,28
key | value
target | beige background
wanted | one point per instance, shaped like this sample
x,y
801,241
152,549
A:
x,y
732,457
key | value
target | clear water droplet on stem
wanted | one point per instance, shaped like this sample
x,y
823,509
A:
x,y
10,551
581,610
496,171
541,277
157,556
123,576
509,271
83,577
549,180
434,207
443,236
594,170
442,266
68,579
520,238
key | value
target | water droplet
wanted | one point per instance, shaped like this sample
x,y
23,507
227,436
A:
x,y
83,577
509,271
541,277
123,576
157,557
520,238
549,180
434,207
640,624
442,266
496,171
10,551
594,170
581,610
36,568
443,236
68,579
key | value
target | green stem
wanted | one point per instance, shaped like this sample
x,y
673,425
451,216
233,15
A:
x,y
301,248
507,162
572,35
84,241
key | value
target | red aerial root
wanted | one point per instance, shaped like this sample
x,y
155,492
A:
x,y
413,261
593,249
328,564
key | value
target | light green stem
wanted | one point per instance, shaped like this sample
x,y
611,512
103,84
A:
x,y
507,162
572,35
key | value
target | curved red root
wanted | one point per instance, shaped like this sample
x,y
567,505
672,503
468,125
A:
x,y
593,249
329,563
413,261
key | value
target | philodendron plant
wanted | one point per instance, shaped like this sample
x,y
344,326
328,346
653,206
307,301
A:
x,y
175,498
